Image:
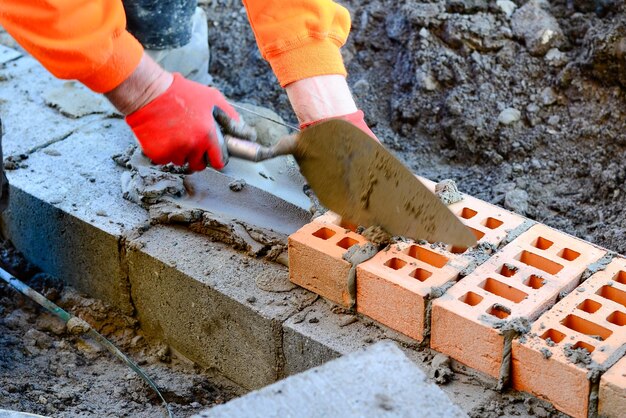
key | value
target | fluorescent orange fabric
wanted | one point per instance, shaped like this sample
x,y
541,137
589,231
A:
x,y
75,39
86,39
300,38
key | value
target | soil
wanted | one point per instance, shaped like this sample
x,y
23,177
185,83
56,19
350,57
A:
x,y
44,369
458,89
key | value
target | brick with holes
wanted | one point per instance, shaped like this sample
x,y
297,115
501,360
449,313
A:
x,y
315,258
489,223
517,284
585,331
394,286
612,394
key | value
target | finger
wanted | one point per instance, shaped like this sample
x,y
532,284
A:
x,y
217,152
198,161
232,127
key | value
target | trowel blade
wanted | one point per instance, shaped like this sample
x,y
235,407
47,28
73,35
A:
x,y
356,177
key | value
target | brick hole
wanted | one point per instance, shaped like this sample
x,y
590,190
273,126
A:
x,y
589,306
471,298
508,270
478,234
324,233
492,223
499,311
467,213
583,326
534,281
581,344
611,293
542,243
554,335
503,290
620,277
568,254
617,318
347,242
427,256
420,274
460,250
395,263
539,262
347,225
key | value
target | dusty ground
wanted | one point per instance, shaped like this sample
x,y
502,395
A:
x,y
45,370
435,78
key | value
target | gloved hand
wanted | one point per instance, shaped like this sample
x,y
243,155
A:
x,y
179,126
357,119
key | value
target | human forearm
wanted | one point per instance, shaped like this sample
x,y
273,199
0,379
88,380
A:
x,y
320,97
146,83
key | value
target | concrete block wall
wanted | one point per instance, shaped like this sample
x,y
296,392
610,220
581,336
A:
x,y
494,315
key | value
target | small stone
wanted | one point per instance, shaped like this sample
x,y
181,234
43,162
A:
x,y
509,116
37,338
548,96
539,29
448,192
251,299
507,7
555,58
102,213
314,320
361,87
554,120
237,185
517,201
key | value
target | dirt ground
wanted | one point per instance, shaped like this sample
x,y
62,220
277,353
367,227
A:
x,y
457,89
46,370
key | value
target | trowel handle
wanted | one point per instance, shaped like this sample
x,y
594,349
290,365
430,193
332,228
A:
x,y
252,151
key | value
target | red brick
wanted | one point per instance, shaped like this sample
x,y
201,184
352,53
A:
x,y
521,281
393,287
315,259
593,309
613,391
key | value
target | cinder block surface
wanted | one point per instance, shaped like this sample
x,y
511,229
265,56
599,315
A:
x,y
67,214
613,391
202,298
357,385
521,281
316,259
28,122
394,286
590,320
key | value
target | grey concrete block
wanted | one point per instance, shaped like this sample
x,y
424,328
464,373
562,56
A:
x,y
28,122
318,334
380,381
203,299
67,214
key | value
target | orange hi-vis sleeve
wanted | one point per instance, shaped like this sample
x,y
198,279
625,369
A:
x,y
300,38
84,40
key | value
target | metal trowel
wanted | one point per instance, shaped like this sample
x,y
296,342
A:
x,y
356,177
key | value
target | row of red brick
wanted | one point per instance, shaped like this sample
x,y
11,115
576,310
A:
x,y
509,290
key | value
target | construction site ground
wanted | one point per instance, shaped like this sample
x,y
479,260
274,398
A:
x,y
439,82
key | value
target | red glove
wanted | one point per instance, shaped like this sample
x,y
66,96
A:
x,y
179,126
356,118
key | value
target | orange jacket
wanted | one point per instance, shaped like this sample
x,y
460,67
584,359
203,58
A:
x,y
87,40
